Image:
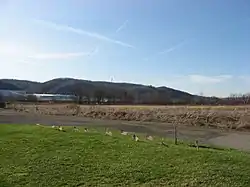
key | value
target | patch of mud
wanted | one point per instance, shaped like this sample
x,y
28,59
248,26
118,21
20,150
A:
x,y
234,140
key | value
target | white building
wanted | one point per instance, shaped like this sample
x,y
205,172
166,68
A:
x,y
55,97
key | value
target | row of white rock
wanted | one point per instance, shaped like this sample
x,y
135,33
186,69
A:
x,y
107,132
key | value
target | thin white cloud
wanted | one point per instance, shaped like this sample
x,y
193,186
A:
x,y
123,26
82,32
201,79
245,78
53,56
14,52
173,48
168,50
37,59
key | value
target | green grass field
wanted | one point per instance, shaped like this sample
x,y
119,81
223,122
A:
x,y
41,156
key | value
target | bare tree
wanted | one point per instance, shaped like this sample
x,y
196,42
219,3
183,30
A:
x,y
2,102
246,98
99,96
78,91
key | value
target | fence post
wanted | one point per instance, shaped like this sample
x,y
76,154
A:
x,y
175,134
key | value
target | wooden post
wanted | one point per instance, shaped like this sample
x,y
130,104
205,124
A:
x,y
197,144
175,134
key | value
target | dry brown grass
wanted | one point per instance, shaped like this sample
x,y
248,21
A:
x,y
230,117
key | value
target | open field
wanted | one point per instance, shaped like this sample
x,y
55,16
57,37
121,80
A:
x,y
42,156
227,117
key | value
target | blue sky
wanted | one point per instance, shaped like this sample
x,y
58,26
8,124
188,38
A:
x,y
195,46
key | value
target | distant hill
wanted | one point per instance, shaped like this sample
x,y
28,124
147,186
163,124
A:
x,y
126,92
8,86
25,85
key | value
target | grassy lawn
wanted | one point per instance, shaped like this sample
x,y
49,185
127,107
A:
x,y
39,157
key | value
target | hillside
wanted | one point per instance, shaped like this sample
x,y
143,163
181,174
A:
x,y
5,85
126,92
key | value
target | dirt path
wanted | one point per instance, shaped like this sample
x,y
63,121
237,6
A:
x,y
230,139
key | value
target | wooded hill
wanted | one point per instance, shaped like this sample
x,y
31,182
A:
x,y
122,93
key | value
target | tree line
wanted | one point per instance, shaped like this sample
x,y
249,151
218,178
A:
x,y
157,98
